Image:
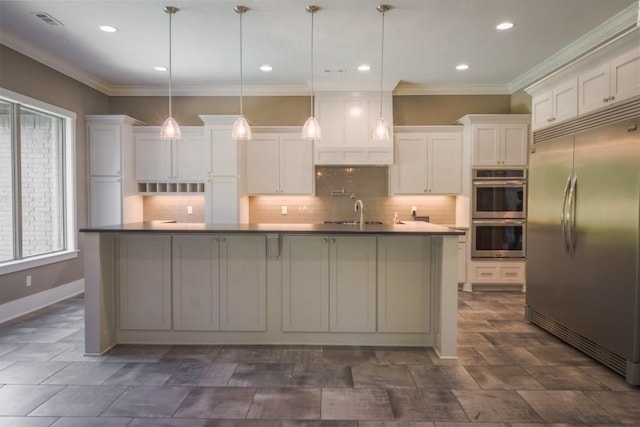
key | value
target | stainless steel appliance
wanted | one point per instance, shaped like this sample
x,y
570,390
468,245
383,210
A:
x,y
499,193
583,235
498,238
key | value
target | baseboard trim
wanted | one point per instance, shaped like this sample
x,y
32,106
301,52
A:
x,y
26,305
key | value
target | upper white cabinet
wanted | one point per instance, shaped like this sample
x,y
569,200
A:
x,y
279,163
497,139
113,195
428,160
555,105
186,159
346,120
610,82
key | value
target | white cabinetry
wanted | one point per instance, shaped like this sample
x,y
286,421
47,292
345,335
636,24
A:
x,y
404,284
279,163
329,283
347,120
112,189
159,160
610,82
498,272
145,282
428,160
497,139
555,105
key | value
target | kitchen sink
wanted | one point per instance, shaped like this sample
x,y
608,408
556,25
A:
x,y
353,222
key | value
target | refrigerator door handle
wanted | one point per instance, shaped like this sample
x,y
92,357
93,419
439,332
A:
x,y
571,216
563,219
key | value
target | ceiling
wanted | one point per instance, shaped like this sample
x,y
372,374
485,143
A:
x,y
424,41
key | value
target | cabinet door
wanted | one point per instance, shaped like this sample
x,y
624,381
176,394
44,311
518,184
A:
x,y
145,282
404,284
305,283
409,173
191,158
104,150
224,153
486,145
542,110
352,284
296,165
153,158
565,101
196,283
625,76
513,145
445,164
263,165
105,201
594,88
243,283
222,201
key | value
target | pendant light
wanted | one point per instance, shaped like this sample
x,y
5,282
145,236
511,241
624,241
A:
x,y
170,128
311,128
241,129
381,128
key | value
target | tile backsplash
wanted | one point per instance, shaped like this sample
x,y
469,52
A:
x,y
173,207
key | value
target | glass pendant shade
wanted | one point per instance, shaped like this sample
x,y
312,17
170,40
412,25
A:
x,y
170,129
381,130
311,129
241,130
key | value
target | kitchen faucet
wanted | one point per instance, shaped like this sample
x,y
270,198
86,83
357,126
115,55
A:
x,y
359,206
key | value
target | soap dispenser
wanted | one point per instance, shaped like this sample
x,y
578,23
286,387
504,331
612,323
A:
x,y
396,220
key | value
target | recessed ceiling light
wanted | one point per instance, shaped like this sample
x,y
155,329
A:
x,y
504,26
108,28
160,68
266,68
462,67
364,67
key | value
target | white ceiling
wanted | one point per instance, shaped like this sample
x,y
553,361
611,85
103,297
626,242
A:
x,y
424,41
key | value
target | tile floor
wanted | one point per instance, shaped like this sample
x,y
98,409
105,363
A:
x,y
509,374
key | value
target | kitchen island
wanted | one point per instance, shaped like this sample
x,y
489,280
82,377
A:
x,y
290,284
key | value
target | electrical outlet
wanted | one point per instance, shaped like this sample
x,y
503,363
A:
x,y
414,210
189,210
28,281
284,210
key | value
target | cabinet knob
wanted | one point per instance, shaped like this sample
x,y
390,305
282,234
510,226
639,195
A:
x,y
605,99
224,239
332,240
611,98
325,240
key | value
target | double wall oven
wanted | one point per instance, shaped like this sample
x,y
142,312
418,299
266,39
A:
x,y
499,207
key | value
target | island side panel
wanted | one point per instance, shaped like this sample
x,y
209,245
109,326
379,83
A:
x,y
445,257
99,294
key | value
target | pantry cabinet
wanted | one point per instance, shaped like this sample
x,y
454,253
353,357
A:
x,y
279,163
427,161
555,105
329,283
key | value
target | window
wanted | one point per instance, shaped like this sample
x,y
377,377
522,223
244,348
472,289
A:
x,y
37,199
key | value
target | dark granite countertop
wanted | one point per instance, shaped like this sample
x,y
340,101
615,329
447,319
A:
x,y
421,228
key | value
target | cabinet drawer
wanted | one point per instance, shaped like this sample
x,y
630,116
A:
x,y
513,273
485,273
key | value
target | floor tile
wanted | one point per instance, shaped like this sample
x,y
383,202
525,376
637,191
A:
x,y
79,401
146,401
558,354
473,339
396,424
27,421
30,372
42,335
262,375
324,375
567,406
142,374
216,402
169,422
319,423
37,352
245,354
443,377
6,347
503,378
465,356
91,422
495,406
299,355
508,356
286,403
511,339
349,355
124,353
84,373
564,378
623,405
356,404
402,356
607,378
214,374
422,405
22,399
382,376
192,353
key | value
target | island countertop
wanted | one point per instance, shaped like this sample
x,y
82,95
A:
x,y
409,228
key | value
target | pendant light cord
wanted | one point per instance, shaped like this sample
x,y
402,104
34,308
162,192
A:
x,y
241,63
381,60
170,66
312,109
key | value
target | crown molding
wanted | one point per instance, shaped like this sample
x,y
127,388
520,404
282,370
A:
x,y
623,21
211,90
404,88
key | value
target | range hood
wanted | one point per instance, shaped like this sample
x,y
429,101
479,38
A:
x,y
346,120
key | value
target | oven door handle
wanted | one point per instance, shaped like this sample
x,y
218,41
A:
x,y
500,221
563,219
498,183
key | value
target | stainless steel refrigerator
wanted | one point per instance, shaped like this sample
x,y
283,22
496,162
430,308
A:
x,y
583,239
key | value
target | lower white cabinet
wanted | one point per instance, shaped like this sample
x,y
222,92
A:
x,y
404,284
145,282
462,259
498,272
105,200
329,283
